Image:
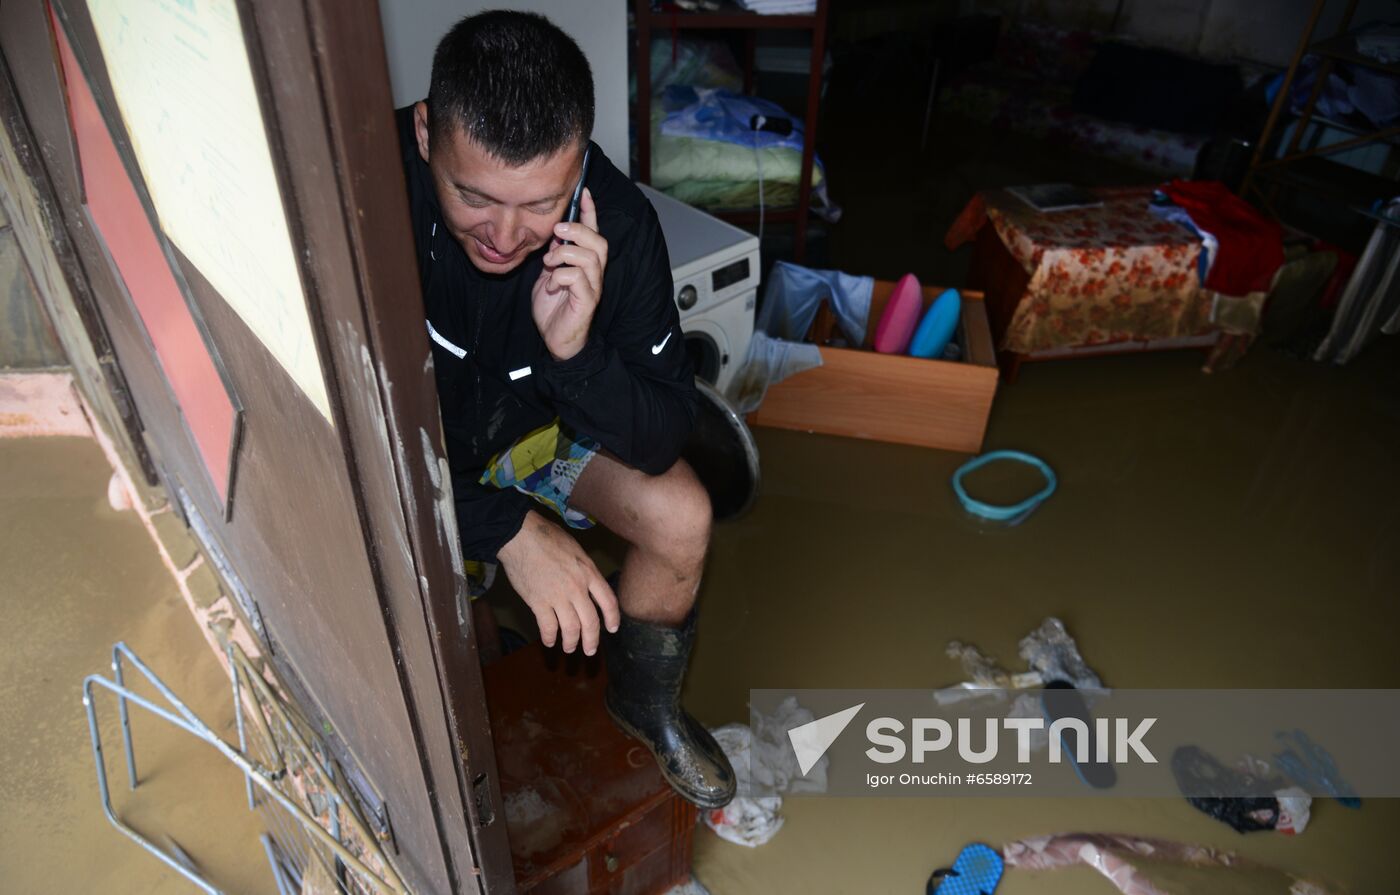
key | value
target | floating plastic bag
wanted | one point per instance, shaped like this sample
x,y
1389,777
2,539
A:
x,y
691,886
1051,651
981,669
1309,764
774,763
769,362
1202,779
1155,866
1052,655
744,821
1294,811
763,762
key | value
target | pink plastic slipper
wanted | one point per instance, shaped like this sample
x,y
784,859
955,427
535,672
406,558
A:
x,y
896,326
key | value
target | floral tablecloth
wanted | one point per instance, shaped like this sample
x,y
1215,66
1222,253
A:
x,y
1111,273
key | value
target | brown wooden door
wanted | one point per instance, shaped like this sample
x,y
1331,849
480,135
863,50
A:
x,y
320,483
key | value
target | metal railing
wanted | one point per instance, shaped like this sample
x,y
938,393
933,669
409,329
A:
x,y
293,774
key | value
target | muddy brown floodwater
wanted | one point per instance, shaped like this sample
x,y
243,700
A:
x,y
1239,530
78,576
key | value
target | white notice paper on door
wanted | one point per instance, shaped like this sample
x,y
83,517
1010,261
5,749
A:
x,y
180,72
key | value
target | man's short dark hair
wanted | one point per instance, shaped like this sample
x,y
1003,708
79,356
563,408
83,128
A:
x,y
514,82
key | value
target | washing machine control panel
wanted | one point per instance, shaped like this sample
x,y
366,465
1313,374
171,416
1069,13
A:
x,y
728,275
702,290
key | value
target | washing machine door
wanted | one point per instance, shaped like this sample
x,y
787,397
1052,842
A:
x,y
707,346
724,455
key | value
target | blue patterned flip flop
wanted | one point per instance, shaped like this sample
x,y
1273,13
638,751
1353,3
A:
x,y
977,871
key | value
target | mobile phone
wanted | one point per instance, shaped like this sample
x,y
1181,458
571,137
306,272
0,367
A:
x,y
576,201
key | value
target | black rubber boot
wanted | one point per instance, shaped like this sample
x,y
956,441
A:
x,y
646,664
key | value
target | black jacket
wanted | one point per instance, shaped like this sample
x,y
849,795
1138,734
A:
x,y
638,403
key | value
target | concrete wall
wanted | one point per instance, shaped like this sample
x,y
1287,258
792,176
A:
x,y
412,29
1264,31
1269,32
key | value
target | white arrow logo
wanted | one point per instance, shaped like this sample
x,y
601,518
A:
x,y
811,740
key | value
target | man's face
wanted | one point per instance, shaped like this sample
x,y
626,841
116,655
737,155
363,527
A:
x,y
498,213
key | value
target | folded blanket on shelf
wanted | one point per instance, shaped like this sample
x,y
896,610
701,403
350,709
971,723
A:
x,y
707,153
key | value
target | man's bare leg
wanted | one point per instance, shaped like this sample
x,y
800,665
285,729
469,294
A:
x,y
666,521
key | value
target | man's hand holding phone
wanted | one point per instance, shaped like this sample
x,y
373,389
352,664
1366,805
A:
x,y
567,292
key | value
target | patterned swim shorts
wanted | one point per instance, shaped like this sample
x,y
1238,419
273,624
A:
x,y
544,464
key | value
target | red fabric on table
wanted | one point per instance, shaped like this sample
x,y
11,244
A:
x,y
1251,245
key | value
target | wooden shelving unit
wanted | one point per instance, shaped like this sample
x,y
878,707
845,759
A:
x,y
1309,169
734,18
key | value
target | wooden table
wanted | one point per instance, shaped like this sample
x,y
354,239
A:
x,y
1103,280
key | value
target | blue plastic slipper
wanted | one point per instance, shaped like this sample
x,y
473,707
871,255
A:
x,y
937,328
1060,699
977,871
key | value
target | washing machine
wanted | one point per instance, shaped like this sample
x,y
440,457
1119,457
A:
x,y
714,266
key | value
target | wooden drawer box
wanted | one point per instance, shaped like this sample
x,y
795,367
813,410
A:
x,y
586,808
887,397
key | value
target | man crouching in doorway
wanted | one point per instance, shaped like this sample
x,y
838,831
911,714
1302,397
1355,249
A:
x,y
565,389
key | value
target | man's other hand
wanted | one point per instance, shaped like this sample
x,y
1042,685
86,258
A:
x,y
566,294
559,583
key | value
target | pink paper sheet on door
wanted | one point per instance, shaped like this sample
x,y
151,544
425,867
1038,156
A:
x,y
136,251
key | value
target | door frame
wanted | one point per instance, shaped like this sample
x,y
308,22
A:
x,y
322,80
354,77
